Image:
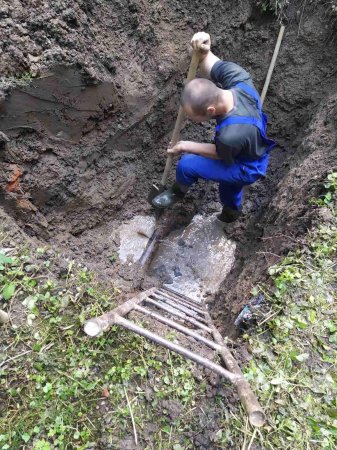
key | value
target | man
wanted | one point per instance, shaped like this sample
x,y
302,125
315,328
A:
x,y
240,152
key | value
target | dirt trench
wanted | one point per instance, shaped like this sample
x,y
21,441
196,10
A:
x,y
89,100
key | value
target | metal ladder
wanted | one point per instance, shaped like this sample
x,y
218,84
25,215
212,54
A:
x,y
189,318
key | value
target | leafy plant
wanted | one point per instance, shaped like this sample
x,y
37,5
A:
x,y
277,7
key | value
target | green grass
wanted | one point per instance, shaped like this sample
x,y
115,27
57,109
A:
x,y
59,375
276,7
20,80
279,9
63,390
293,368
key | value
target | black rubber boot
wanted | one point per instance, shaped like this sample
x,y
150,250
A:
x,y
229,215
170,196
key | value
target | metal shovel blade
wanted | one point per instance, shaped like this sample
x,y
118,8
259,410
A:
x,y
154,191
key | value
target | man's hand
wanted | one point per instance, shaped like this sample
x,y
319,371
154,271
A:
x,y
181,146
196,148
201,42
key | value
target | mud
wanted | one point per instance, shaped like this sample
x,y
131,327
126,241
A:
x,y
85,138
88,99
119,153
61,105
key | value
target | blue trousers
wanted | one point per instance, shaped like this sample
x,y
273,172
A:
x,y
231,178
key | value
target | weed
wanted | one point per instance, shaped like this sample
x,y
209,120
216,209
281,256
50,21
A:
x,y
113,258
20,80
276,7
328,198
55,377
295,352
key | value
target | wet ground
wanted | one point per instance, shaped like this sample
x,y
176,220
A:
x,y
195,260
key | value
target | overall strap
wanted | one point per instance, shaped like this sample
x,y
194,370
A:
x,y
250,91
260,123
240,120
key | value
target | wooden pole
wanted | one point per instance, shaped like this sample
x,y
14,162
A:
x,y
272,64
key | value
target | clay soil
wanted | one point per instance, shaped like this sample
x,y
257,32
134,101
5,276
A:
x,y
87,134
88,99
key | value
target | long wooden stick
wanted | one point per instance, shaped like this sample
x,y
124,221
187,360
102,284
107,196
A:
x,y
132,418
272,64
180,117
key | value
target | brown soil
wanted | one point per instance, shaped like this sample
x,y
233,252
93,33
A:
x,y
89,138
87,135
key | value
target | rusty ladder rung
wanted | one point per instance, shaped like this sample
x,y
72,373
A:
x,y
183,299
177,326
180,301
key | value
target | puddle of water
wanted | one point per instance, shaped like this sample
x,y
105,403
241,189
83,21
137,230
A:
x,y
194,261
134,236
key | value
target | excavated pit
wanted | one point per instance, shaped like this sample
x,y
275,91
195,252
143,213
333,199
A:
x,y
86,138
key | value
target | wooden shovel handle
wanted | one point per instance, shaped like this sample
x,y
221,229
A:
x,y
180,117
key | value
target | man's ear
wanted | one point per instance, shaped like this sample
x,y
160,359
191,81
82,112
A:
x,y
211,111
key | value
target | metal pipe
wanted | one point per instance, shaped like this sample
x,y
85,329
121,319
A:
x,y
181,296
171,310
178,327
233,378
151,247
97,325
182,302
182,308
254,410
166,224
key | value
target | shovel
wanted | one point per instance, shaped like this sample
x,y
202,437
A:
x,y
156,190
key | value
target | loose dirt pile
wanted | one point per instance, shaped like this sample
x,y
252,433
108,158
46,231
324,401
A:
x,y
87,133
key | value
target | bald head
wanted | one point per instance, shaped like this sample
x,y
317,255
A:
x,y
198,95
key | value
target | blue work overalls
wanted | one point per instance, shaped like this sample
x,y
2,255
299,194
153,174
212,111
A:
x,y
231,177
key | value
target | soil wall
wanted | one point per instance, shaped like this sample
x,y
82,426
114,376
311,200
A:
x,y
87,135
